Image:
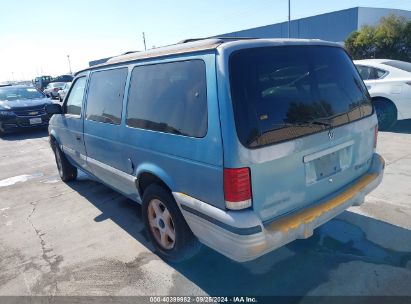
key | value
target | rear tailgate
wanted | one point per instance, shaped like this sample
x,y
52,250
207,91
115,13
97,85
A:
x,y
304,123
287,177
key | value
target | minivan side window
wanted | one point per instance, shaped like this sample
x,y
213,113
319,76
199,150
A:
x,y
105,97
75,99
170,98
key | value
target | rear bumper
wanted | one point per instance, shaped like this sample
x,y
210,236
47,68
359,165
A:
x,y
241,236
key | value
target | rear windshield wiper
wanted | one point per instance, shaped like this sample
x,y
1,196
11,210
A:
x,y
313,123
294,124
307,123
327,122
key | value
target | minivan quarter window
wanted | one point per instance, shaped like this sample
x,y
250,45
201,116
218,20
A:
x,y
105,97
170,98
74,101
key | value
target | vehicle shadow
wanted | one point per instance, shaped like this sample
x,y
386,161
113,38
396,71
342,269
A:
x,y
402,126
296,269
301,266
114,206
26,134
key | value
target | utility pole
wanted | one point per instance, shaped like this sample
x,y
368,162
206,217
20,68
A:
x,y
68,58
289,18
144,40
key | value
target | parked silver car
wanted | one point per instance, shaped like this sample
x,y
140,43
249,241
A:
x,y
62,93
53,88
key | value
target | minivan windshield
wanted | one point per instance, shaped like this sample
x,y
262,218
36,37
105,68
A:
x,y
284,92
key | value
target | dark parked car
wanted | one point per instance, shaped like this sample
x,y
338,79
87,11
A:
x,y
53,88
41,82
22,107
62,78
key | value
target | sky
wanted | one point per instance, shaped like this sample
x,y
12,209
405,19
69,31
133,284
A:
x,y
37,36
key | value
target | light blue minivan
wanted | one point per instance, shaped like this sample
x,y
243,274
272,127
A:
x,y
243,145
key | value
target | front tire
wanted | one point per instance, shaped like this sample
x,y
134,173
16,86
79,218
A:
x,y
66,170
166,226
387,113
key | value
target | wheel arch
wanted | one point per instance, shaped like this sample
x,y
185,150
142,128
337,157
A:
x,y
53,137
373,98
148,174
389,112
386,99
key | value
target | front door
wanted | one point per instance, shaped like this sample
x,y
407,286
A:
x,y
71,137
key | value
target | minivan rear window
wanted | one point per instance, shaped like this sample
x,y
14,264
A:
x,y
285,92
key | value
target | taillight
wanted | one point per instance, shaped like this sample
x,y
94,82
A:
x,y
375,136
237,188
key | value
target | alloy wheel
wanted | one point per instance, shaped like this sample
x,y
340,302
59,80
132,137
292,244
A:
x,y
161,224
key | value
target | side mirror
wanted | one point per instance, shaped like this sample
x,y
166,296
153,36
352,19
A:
x,y
53,109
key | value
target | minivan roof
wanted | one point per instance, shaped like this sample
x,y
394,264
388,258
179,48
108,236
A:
x,y
196,45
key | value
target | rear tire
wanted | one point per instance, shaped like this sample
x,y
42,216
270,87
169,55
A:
x,y
66,170
168,217
386,113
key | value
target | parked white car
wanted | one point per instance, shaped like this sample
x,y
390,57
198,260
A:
x,y
389,84
62,93
53,88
